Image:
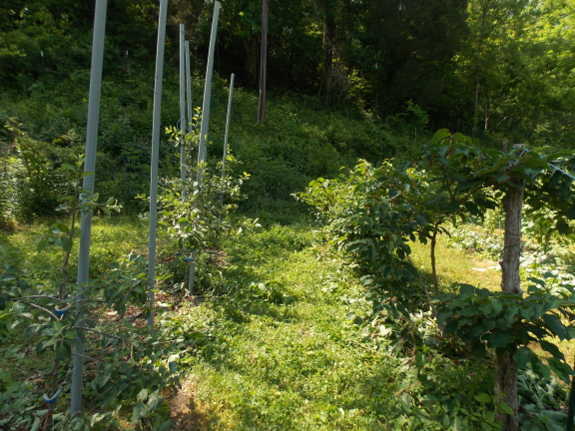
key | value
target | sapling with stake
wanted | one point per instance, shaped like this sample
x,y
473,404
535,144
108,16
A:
x,y
60,329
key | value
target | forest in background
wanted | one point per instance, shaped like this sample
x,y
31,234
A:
x,y
366,79
480,67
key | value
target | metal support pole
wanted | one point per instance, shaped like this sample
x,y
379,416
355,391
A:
x,y
227,126
189,87
156,155
202,150
192,267
183,122
88,184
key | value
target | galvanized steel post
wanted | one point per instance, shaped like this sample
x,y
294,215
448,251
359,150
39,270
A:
x,y
88,184
153,218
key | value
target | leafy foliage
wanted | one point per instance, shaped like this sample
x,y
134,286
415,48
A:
x,y
374,212
501,320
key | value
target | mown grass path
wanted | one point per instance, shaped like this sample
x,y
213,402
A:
x,y
282,354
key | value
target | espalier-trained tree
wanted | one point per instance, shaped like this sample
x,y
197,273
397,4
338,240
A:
x,y
510,174
376,211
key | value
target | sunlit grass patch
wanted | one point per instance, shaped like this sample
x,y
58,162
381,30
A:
x,y
290,365
455,265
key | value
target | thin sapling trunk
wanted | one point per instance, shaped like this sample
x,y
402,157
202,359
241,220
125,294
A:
x,y
506,368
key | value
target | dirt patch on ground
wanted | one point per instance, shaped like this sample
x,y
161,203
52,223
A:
x,y
185,414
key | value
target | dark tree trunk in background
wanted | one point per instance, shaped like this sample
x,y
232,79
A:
x,y
263,63
251,47
506,368
327,82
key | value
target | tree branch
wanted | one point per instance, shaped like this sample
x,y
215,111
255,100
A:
x,y
45,310
83,328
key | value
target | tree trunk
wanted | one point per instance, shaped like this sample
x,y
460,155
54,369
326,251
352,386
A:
x,y
263,63
476,106
506,389
328,70
251,47
513,204
506,369
432,257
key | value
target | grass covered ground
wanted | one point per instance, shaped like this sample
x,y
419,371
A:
x,y
279,343
286,355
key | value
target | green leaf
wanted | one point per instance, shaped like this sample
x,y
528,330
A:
x,y
471,310
42,244
505,409
486,308
452,207
555,325
36,424
551,348
42,345
140,410
483,398
32,330
68,166
539,367
62,227
473,209
478,330
466,291
522,356
562,370
421,220
165,426
63,352
440,135
500,339
497,307
66,243
527,313
570,213
510,314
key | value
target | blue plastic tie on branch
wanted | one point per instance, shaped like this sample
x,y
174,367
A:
x,y
52,400
61,311
188,259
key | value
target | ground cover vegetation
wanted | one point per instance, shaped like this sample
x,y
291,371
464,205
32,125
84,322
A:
x,y
360,324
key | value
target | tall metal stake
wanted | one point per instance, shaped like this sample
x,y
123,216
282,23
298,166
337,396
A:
x,y
156,155
183,127
227,126
88,184
192,268
189,86
202,150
